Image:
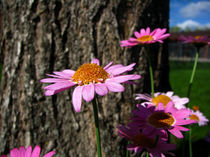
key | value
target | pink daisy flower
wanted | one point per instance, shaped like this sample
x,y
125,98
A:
x,y
163,98
89,78
197,41
199,117
146,37
168,118
141,140
22,152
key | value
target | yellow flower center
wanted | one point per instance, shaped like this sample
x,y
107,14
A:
x,y
161,120
195,108
198,37
142,140
145,38
90,73
161,99
194,117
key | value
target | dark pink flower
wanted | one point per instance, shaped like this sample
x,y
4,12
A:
x,y
197,41
168,118
150,141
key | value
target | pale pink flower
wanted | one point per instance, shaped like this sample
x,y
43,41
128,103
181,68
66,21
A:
x,y
142,140
22,152
199,117
146,37
168,118
164,98
90,78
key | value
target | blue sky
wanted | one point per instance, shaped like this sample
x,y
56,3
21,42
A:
x,y
190,13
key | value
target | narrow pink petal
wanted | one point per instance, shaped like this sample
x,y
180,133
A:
x,y
28,151
77,98
63,75
101,89
124,78
88,92
176,133
142,32
182,113
143,97
96,61
108,65
164,36
120,70
185,122
114,87
69,72
36,151
114,67
49,92
182,128
15,153
147,31
22,151
137,34
52,80
49,154
132,39
60,85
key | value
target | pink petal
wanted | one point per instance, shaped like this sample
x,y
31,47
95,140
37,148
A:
x,y
88,92
137,34
28,151
59,85
22,151
164,36
63,75
176,133
124,78
160,107
49,154
36,151
182,128
185,122
120,70
77,98
147,31
114,87
52,80
143,96
15,153
68,71
101,89
142,32
108,65
96,61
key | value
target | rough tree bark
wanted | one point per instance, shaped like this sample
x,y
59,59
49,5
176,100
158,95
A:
x,y
39,37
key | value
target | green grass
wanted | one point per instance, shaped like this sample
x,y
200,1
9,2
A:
x,y
180,73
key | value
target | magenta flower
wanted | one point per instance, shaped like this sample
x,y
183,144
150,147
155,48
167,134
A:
x,y
199,117
146,37
22,152
141,140
163,98
197,41
90,78
168,118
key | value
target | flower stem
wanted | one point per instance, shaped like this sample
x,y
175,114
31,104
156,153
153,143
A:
x,y
188,95
190,141
98,140
150,72
127,152
192,74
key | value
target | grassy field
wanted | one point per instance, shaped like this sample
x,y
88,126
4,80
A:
x,y
180,73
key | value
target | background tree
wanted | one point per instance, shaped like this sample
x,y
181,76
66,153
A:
x,y
38,37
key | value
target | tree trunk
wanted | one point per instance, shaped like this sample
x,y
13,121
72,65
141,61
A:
x,y
39,37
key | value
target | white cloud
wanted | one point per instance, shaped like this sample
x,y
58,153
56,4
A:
x,y
192,25
195,9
